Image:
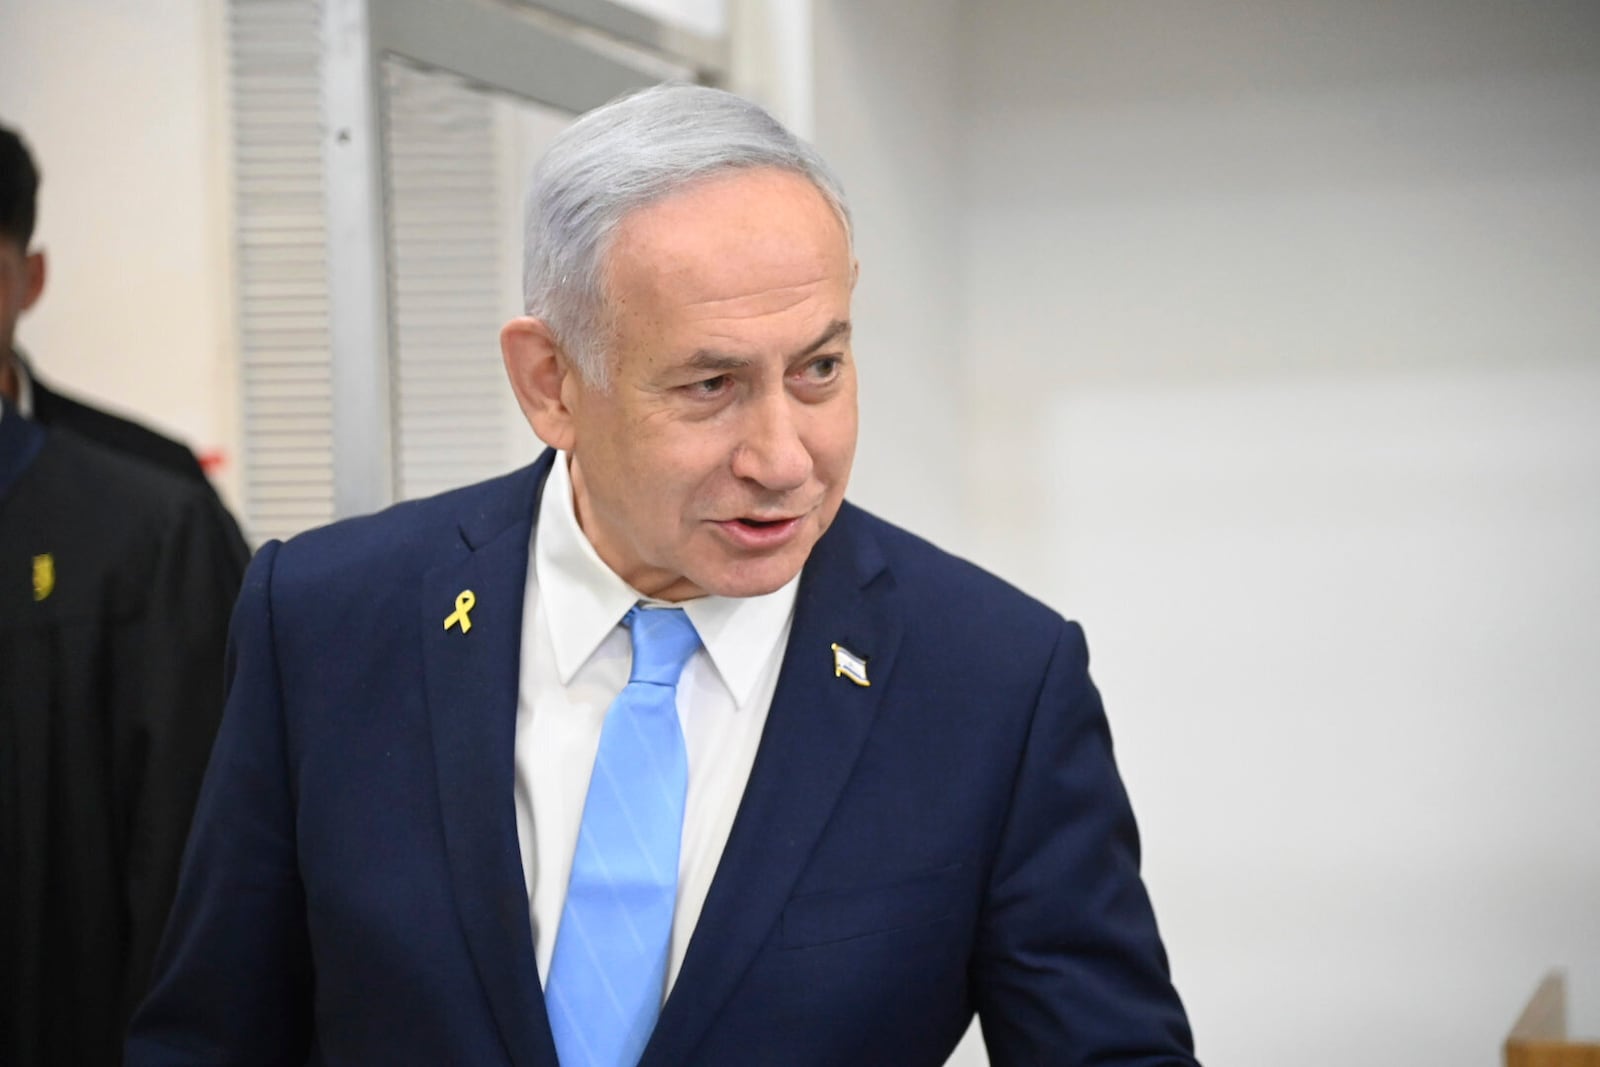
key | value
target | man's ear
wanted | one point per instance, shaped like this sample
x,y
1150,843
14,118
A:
x,y
539,373
33,278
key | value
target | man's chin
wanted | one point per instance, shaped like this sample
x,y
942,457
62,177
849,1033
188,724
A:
x,y
751,577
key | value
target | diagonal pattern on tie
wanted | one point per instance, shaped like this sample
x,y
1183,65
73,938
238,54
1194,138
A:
x,y
609,967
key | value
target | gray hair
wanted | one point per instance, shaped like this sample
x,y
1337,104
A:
x,y
618,158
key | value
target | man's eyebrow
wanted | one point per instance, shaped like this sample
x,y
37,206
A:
x,y
709,359
838,330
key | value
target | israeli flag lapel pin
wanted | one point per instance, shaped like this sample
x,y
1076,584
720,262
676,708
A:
x,y
847,664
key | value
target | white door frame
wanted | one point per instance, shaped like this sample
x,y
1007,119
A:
x,y
568,54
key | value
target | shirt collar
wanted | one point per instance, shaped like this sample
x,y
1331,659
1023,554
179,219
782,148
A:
x,y
24,385
740,634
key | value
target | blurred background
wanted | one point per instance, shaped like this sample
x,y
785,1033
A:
x,y
1261,336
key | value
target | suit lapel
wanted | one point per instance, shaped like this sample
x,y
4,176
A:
x,y
814,733
472,704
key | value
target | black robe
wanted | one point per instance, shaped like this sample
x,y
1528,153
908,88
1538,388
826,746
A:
x,y
116,581
126,437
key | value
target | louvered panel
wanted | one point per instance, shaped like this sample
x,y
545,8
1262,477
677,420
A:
x,y
282,274
445,231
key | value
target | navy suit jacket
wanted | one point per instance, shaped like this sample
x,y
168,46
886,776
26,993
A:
x,y
952,838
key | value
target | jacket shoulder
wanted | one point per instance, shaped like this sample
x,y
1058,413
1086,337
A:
x,y
115,432
95,477
109,520
937,581
412,536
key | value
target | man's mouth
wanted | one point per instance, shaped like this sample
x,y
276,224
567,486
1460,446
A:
x,y
753,533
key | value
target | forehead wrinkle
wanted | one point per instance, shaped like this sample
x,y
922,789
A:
x,y
769,301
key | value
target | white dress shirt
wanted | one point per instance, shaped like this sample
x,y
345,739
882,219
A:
x,y
575,660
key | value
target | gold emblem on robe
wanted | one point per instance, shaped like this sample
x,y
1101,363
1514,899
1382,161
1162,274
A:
x,y
44,576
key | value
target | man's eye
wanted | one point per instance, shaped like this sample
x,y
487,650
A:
x,y
823,368
710,386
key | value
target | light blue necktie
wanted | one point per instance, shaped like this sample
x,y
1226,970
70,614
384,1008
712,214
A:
x,y
609,968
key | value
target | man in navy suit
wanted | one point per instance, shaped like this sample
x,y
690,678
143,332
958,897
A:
x,y
900,805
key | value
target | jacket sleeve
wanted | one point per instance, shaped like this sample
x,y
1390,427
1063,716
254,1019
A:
x,y
168,694
1069,967
232,980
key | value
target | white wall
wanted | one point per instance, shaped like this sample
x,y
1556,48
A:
x,y
1283,332
122,103
771,58
887,120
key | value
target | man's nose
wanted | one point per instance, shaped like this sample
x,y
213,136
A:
x,y
772,452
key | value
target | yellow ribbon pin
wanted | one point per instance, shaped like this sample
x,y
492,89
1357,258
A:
x,y
44,576
465,600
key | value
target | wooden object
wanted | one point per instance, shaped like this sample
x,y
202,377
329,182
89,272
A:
x,y
1540,1037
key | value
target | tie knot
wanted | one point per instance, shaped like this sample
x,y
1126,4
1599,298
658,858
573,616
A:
x,y
663,641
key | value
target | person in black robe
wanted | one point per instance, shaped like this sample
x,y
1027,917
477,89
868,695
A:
x,y
118,570
22,279
116,582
